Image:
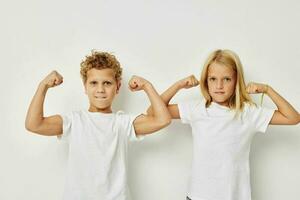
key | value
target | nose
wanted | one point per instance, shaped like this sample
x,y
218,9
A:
x,y
220,84
100,88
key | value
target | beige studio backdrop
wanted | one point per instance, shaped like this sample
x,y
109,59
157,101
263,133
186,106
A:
x,y
162,41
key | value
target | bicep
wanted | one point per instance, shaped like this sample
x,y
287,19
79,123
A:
x,y
143,124
146,124
174,111
279,119
50,126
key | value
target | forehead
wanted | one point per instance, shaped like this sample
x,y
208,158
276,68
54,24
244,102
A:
x,y
101,74
217,69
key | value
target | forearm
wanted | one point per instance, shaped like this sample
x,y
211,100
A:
x,y
159,110
35,113
170,93
167,95
284,107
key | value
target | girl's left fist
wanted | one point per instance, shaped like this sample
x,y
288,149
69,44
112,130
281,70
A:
x,y
255,88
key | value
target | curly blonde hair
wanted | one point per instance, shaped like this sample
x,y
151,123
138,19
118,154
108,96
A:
x,y
100,60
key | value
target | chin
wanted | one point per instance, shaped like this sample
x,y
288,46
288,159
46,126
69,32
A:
x,y
220,101
101,106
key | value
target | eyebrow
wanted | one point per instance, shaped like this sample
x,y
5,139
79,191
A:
x,y
230,76
101,80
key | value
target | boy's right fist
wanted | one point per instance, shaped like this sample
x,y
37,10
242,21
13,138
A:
x,y
137,83
53,79
188,82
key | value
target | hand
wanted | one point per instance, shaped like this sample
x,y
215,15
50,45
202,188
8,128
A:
x,y
137,83
255,88
188,82
53,79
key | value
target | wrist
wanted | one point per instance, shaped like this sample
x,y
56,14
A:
x,y
147,85
178,85
266,88
42,86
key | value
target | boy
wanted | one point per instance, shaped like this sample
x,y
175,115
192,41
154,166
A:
x,y
98,138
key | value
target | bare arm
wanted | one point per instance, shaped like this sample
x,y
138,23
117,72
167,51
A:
x,y
285,113
146,124
35,120
186,83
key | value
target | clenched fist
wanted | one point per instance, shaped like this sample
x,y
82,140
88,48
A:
x,y
188,82
254,88
137,83
53,79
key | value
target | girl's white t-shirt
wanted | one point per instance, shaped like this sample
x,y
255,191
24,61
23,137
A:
x,y
97,164
221,146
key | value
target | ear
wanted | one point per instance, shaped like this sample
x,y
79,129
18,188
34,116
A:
x,y
118,86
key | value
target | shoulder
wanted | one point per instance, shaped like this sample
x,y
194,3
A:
x,y
193,103
254,110
124,122
250,107
123,117
192,109
76,115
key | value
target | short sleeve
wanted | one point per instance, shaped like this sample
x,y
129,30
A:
x,y
67,124
131,133
261,117
188,111
126,122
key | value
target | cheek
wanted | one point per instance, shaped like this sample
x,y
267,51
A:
x,y
231,88
89,91
112,91
209,85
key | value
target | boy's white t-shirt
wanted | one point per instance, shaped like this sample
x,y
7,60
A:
x,y
97,164
221,146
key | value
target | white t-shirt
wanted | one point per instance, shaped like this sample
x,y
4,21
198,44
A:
x,y
97,164
221,146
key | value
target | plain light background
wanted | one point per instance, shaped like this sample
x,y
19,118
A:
x,y
162,41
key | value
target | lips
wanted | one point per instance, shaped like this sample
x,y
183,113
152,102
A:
x,y
100,97
219,92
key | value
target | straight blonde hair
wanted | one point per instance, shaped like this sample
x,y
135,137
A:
x,y
229,59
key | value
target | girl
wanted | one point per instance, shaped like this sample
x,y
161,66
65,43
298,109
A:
x,y
223,125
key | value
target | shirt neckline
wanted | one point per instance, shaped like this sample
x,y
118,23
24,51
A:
x,y
213,104
99,113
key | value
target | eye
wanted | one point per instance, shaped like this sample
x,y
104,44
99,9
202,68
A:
x,y
93,83
227,79
211,79
107,83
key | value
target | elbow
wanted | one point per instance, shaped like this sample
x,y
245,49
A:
x,y
165,122
28,126
294,121
297,121
31,127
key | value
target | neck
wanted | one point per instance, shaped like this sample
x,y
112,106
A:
x,y
102,110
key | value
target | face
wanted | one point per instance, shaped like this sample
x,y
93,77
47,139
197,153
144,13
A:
x,y
101,88
221,82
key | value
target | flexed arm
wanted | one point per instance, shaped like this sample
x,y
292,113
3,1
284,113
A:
x,y
159,118
166,96
286,113
35,120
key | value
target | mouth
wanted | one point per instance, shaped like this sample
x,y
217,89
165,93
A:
x,y
220,93
100,98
